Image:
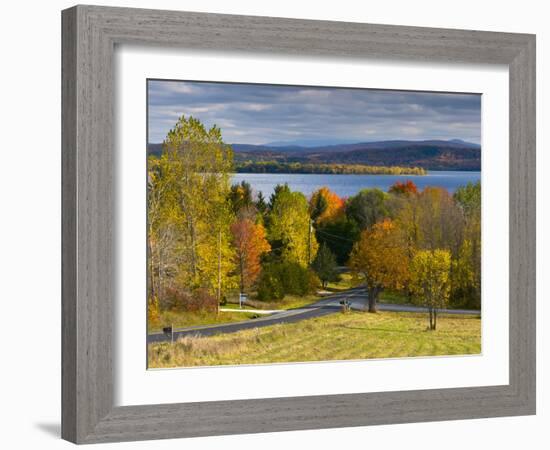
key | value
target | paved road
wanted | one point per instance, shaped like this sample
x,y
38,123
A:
x,y
328,305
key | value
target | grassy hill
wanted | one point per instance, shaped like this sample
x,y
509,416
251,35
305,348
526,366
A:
x,y
429,155
356,335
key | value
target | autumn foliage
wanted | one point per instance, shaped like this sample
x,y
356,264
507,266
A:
x,y
430,281
404,188
381,258
208,238
250,244
325,205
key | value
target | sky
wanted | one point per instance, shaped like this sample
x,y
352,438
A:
x,y
264,114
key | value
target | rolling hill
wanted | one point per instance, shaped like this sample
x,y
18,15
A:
x,y
452,154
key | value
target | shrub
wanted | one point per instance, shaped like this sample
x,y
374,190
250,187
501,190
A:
x,y
270,286
295,278
203,300
279,279
313,282
175,299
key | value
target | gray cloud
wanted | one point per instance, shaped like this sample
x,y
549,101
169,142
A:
x,y
258,114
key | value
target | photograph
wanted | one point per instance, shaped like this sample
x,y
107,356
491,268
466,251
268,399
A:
x,y
291,223
261,225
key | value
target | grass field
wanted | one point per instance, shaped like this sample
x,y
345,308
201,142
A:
x,y
355,335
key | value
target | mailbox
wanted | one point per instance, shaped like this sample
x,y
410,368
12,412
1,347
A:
x,y
169,331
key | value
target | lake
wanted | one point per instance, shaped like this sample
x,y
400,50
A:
x,y
347,185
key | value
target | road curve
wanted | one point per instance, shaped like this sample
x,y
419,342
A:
x,y
328,305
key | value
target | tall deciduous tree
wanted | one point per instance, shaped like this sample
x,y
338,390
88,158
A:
x,y
380,257
367,207
430,280
163,221
406,214
250,244
290,227
466,279
193,173
439,220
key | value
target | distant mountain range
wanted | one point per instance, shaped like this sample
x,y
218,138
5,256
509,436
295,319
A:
x,y
454,154
309,142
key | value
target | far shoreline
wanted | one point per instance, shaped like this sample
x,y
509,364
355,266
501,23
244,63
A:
x,y
346,185
272,167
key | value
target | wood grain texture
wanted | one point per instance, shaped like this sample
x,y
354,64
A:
x,y
89,36
68,227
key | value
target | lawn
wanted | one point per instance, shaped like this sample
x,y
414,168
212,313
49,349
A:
x,y
355,335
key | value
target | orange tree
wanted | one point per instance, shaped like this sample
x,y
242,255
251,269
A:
x,y
381,258
250,244
325,205
403,188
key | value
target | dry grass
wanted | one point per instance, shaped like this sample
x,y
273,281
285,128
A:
x,y
337,337
189,319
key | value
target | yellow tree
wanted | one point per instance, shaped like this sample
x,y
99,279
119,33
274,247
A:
x,y
430,280
163,221
197,166
380,257
407,213
439,220
290,227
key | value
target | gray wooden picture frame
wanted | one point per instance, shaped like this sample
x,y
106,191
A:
x,y
90,34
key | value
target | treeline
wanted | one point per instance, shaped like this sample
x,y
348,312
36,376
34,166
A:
x,y
297,167
207,238
426,245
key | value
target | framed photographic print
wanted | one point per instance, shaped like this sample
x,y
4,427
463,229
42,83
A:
x,y
306,228
267,222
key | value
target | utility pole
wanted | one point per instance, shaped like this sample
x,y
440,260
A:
x,y
309,243
219,270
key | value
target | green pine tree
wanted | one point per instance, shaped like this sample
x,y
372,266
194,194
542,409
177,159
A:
x,y
325,265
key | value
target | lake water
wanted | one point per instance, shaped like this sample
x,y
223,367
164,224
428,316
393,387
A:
x,y
347,185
